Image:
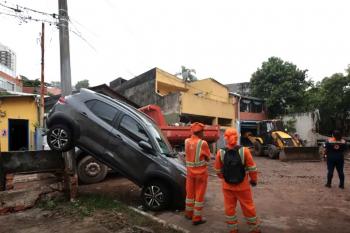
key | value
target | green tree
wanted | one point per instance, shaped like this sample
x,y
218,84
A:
x,y
334,103
55,84
30,83
282,84
82,84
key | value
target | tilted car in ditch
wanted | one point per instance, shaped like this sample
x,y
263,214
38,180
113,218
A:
x,y
124,139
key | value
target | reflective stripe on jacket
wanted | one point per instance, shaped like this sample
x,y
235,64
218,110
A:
x,y
197,155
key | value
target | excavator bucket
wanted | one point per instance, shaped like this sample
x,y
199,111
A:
x,y
300,154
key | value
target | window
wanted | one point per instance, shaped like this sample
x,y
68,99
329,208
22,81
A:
x,y
90,103
133,129
257,106
102,110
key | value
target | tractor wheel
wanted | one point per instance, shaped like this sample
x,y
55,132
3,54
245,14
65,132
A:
x,y
272,152
258,149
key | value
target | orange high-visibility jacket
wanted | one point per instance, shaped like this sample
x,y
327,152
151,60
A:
x,y
250,168
197,155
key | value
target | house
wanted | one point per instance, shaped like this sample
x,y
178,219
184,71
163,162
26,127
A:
x,y
249,108
206,101
8,79
19,119
250,111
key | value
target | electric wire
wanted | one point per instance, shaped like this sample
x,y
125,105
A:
x,y
19,14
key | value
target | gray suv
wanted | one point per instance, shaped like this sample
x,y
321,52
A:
x,y
124,139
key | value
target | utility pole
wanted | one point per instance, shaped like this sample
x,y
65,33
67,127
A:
x,y
71,176
66,83
42,84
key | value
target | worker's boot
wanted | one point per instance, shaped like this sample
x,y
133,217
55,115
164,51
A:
x,y
341,186
328,185
203,220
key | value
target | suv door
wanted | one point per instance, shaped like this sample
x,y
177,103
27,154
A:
x,y
96,125
130,158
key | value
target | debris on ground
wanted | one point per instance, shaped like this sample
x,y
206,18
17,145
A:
x,y
104,213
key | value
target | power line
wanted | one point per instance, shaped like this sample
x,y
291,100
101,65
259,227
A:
x,y
23,18
17,8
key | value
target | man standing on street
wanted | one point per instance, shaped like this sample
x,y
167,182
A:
x,y
335,148
197,157
233,165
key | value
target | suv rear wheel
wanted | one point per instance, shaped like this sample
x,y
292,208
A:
x,y
60,138
91,171
155,196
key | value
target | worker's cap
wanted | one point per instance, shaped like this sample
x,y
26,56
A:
x,y
231,136
197,127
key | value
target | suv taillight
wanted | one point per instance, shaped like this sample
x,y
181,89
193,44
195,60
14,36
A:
x,y
62,100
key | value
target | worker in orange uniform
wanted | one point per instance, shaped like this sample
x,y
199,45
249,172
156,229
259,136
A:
x,y
233,165
197,157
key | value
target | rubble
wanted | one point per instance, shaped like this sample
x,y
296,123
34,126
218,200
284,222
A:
x,y
23,191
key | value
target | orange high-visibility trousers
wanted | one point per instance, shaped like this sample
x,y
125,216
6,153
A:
x,y
245,199
196,185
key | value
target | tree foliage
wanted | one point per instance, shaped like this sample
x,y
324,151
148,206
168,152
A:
x,y
30,83
333,101
82,84
55,84
282,84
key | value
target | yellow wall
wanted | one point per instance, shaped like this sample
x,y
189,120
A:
x,y
167,83
210,89
204,97
24,108
194,105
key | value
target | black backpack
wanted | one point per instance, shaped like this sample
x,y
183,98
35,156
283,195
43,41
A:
x,y
234,170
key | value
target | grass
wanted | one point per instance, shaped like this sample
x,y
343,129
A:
x,y
105,210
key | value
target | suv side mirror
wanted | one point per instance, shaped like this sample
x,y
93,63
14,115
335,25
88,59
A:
x,y
145,145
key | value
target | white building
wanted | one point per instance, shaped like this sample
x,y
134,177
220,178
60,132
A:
x,y
8,80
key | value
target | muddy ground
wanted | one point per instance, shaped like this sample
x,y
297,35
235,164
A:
x,y
290,197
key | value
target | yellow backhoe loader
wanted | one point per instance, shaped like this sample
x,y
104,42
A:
x,y
273,140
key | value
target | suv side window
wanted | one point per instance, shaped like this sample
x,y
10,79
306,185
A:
x,y
132,129
102,110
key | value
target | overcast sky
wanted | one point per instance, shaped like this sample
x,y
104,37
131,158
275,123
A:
x,y
225,40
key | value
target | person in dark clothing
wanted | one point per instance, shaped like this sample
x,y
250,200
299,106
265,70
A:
x,y
335,148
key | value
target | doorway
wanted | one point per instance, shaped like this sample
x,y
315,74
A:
x,y
18,135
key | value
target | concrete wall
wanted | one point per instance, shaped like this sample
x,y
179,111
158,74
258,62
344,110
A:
x,y
304,126
142,93
206,98
195,105
210,89
24,108
167,83
170,105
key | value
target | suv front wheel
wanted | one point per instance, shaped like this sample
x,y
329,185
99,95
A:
x,y
155,196
60,138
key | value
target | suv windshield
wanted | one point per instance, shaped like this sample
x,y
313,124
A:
x,y
161,141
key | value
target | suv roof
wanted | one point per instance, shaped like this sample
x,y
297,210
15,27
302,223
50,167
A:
x,y
125,106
